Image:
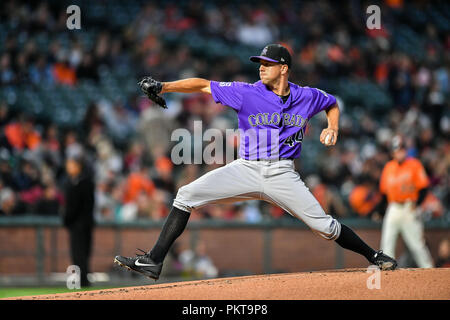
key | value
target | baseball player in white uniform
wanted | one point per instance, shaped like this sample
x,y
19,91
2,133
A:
x,y
404,184
273,114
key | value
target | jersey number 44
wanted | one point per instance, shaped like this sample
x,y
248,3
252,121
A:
x,y
294,139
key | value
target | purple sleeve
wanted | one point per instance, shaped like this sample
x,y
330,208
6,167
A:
x,y
320,100
227,93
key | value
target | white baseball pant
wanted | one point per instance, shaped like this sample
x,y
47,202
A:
x,y
276,182
402,218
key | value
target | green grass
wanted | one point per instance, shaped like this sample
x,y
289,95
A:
x,y
19,292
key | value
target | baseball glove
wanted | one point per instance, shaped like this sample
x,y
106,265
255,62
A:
x,y
151,88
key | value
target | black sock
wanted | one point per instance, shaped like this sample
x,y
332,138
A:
x,y
172,229
350,240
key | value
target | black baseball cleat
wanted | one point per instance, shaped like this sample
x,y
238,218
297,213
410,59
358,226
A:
x,y
384,262
141,263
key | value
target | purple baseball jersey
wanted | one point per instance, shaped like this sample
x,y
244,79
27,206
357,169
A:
x,y
269,128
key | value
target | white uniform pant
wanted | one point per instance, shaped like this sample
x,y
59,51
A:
x,y
276,182
402,218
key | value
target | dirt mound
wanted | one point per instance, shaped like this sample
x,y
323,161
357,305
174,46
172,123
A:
x,y
339,284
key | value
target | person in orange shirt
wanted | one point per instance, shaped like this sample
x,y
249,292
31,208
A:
x,y
364,199
63,73
404,183
21,134
136,183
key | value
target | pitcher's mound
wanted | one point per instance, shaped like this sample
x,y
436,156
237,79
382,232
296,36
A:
x,y
339,284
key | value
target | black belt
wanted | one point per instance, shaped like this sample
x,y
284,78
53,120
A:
x,y
273,160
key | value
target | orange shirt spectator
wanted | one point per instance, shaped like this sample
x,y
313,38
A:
x,y
363,200
432,204
402,182
64,74
164,164
276,212
136,183
382,72
396,4
21,136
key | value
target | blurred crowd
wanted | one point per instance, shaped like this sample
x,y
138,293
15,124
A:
x,y
128,141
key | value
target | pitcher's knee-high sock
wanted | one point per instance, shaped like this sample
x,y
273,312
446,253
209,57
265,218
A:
x,y
173,227
348,239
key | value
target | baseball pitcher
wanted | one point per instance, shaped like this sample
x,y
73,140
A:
x,y
272,114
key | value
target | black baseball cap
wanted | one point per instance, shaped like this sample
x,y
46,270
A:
x,y
274,53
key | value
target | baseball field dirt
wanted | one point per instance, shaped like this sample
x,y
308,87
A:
x,y
420,284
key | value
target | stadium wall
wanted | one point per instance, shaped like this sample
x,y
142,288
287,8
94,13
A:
x,y
235,248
